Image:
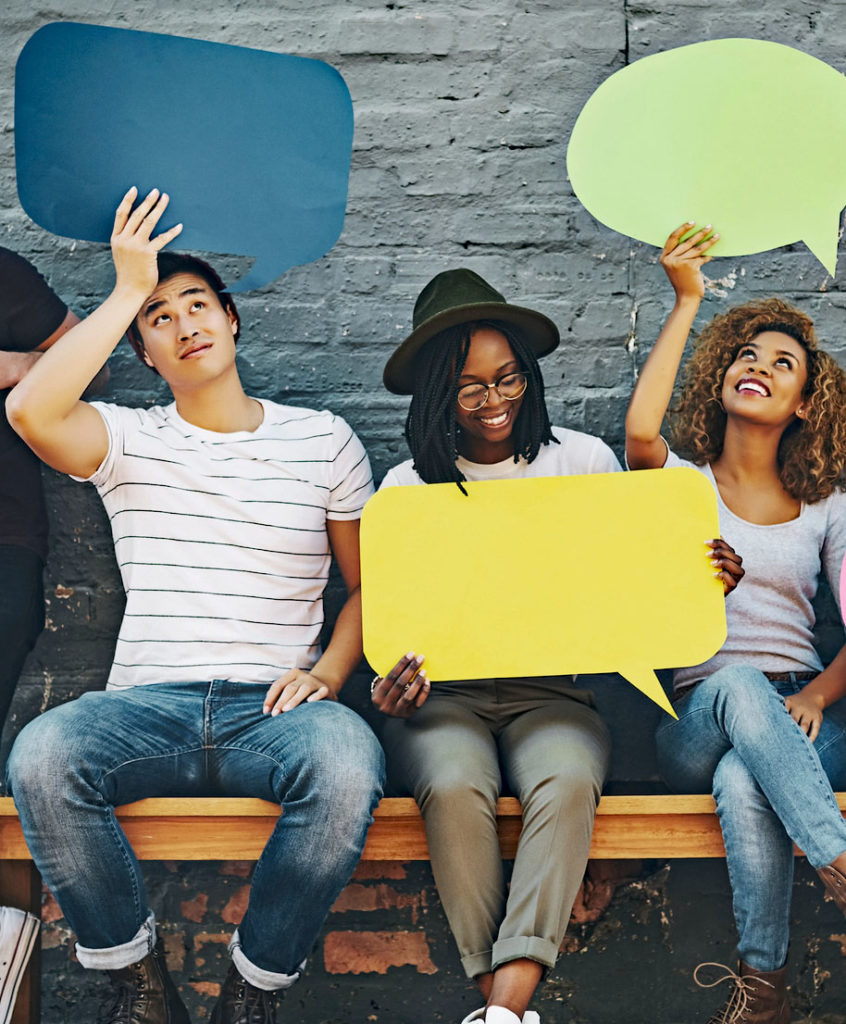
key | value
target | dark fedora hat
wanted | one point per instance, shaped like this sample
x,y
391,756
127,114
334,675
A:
x,y
458,297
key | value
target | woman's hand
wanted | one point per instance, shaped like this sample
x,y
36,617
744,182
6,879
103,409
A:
x,y
134,251
727,562
807,711
683,260
292,689
403,690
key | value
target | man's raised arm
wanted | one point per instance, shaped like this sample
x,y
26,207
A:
x,y
46,407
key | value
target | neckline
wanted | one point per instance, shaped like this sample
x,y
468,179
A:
x,y
748,522
217,435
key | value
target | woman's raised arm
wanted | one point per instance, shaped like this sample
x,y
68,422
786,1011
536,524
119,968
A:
x,y
683,262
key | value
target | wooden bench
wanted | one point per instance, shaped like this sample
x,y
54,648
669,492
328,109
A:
x,y
175,828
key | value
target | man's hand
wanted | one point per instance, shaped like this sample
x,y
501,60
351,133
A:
x,y
292,689
14,366
134,250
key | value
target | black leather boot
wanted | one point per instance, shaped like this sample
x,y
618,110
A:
x,y
243,1003
759,997
145,994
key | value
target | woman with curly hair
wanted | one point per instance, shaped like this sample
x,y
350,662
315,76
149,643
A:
x,y
762,414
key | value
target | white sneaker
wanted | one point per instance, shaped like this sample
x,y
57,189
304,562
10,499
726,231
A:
x,y
499,1015
18,932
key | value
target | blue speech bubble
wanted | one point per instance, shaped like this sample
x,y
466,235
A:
x,y
253,147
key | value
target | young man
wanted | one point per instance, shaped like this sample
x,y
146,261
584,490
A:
x,y
223,509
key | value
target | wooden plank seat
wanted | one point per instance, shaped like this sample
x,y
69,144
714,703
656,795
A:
x,y
221,828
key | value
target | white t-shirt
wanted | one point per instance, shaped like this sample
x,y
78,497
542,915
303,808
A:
x,y
770,615
221,539
576,454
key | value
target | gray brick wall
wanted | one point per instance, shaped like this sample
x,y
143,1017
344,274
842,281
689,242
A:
x,y
462,116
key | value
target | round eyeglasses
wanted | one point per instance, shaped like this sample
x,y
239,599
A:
x,y
510,387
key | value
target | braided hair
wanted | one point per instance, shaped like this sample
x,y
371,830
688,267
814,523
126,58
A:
x,y
431,428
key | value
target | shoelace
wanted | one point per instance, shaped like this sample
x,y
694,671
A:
x,y
258,1006
118,1009
735,1008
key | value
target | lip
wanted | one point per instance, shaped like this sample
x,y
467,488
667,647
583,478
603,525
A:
x,y
752,386
196,350
500,420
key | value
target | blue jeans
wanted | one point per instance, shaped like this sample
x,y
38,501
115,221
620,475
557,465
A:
x,y
70,767
772,786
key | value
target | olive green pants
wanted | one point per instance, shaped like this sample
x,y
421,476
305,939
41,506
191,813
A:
x,y
546,743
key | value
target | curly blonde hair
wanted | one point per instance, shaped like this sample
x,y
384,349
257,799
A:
x,y
812,451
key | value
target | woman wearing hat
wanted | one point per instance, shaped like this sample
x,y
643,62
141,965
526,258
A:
x,y
478,413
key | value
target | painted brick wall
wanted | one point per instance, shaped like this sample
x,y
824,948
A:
x,y
462,116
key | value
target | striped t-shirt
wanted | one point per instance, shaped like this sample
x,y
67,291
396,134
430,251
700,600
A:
x,y
221,539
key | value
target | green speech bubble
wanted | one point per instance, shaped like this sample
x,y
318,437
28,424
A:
x,y
747,135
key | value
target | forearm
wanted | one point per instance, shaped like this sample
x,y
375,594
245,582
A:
x,y
14,366
54,385
830,685
654,389
344,650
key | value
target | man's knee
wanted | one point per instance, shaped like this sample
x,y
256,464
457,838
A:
x,y
46,751
343,758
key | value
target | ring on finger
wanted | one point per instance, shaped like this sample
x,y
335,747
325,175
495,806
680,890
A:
x,y
374,682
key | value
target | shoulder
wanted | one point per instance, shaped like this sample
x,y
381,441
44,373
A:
x,y
577,452
831,510
128,419
297,422
15,269
402,475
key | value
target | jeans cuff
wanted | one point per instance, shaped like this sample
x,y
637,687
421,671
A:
x,y
524,947
258,977
113,958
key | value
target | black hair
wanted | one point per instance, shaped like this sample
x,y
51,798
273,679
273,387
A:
x,y
431,428
169,265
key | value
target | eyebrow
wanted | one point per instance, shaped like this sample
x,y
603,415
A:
x,y
778,352
499,373
194,289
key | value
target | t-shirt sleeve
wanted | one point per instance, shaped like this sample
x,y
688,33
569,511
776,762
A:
x,y
603,460
31,310
674,461
401,475
119,423
834,544
351,481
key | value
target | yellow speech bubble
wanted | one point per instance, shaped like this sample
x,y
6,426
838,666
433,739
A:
x,y
544,576
744,134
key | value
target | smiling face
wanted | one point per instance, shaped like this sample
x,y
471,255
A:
x,y
486,433
765,381
187,334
